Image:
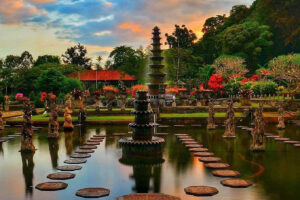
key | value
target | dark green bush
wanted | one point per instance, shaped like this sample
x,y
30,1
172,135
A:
x,y
265,88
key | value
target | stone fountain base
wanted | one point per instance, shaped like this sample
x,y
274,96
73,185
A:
x,y
148,149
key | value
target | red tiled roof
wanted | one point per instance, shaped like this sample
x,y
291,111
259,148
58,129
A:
x,y
102,75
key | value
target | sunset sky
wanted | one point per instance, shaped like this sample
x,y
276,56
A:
x,y
50,26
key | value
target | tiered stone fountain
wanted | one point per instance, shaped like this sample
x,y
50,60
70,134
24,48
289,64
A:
x,y
156,86
142,144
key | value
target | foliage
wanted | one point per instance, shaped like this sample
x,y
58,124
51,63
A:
x,y
286,68
204,73
69,84
229,65
181,38
264,88
37,101
130,61
76,55
47,59
2,98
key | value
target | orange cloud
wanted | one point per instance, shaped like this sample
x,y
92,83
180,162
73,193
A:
x,y
17,4
41,1
131,26
108,3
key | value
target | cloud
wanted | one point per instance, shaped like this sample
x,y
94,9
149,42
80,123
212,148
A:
x,y
104,23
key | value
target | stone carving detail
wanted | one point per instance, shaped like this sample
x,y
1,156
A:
x,y
230,121
1,121
211,117
259,130
53,126
27,133
281,124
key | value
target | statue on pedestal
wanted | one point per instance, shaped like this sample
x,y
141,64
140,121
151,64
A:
x,y
68,125
230,122
53,126
281,124
259,130
122,95
211,116
27,133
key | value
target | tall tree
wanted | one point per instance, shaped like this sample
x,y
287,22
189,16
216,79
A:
x,y
77,55
182,37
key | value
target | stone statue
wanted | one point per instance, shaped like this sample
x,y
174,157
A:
x,y
53,126
122,95
27,133
68,125
82,111
211,116
259,130
230,122
281,124
1,121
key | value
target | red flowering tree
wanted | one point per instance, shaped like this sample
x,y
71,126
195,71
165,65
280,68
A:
x,y
216,83
136,88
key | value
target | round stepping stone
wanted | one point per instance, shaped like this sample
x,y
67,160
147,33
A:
x,y
99,136
92,143
198,149
187,139
148,196
226,173
6,138
236,183
92,192
296,145
203,154
84,151
75,161
217,165
69,167
88,147
190,142
119,134
2,141
272,136
184,137
268,134
281,139
161,134
95,140
80,155
291,142
201,190
209,159
51,186
61,176
194,145
13,136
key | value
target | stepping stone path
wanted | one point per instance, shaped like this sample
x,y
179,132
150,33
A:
x,y
201,190
92,192
272,136
226,173
186,139
236,183
148,196
69,167
75,161
189,142
80,155
204,154
198,149
216,165
88,147
84,151
281,139
296,145
95,140
119,134
51,186
61,176
209,159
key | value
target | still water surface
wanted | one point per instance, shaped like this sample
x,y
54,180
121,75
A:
x,y
275,173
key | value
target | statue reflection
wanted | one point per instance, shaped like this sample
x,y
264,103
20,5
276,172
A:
x,y
69,142
28,165
53,149
144,173
1,149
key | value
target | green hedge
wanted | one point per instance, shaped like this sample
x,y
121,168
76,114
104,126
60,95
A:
x,y
265,87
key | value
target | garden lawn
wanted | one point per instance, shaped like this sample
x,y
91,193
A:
x,y
187,115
